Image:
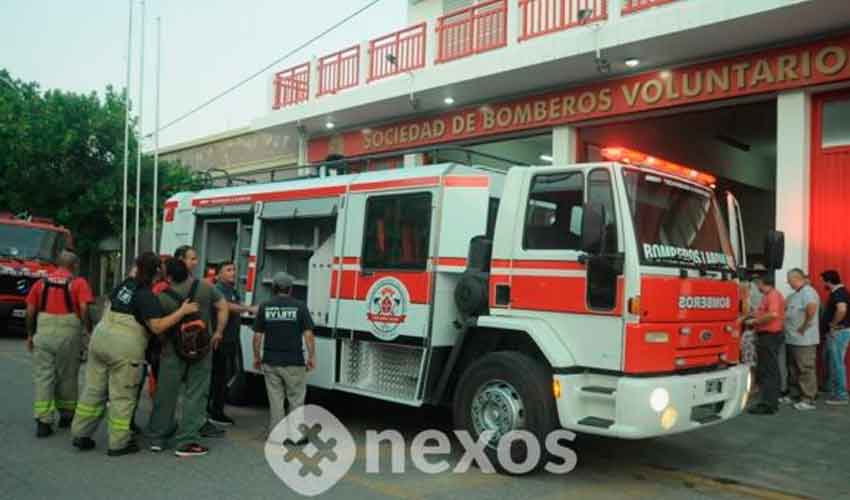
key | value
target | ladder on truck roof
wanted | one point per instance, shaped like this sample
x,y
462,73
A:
x,y
341,165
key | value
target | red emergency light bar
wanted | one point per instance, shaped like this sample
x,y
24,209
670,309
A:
x,y
632,157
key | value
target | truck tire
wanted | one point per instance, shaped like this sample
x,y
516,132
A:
x,y
505,391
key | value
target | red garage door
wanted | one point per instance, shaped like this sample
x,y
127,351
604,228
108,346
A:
x,y
830,182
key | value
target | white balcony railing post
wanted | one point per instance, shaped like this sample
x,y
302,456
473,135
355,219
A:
x,y
431,41
365,61
313,87
514,20
615,9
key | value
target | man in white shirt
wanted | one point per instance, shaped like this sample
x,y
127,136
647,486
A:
x,y
802,337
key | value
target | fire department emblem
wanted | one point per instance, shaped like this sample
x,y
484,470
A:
x,y
387,307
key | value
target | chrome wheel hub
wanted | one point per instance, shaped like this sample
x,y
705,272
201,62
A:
x,y
497,407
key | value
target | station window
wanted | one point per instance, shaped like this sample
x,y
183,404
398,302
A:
x,y
836,125
398,230
553,215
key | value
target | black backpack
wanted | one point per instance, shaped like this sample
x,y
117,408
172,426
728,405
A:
x,y
64,285
192,339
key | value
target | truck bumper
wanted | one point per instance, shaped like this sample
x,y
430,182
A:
x,y
12,314
644,407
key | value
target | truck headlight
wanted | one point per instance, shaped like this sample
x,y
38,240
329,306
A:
x,y
659,399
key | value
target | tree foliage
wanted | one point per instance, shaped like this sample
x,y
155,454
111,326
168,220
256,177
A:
x,y
62,156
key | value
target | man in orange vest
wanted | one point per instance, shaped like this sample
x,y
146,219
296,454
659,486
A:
x,y
56,306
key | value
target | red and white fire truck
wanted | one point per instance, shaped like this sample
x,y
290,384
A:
x,y
600,297
29,247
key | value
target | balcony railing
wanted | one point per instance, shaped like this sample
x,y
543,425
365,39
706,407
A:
x,y
339,71
638,5
472,30
541,17
397,52
459,34
291,86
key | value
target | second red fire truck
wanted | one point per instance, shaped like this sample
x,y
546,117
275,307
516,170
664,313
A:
x,y
29,247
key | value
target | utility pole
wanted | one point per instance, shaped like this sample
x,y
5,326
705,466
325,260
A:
x,y
156,132
140,138
126,142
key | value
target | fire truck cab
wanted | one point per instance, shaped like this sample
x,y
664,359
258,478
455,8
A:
x,y
600,297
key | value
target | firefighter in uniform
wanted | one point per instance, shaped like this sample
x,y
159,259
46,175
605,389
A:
x,y
116,358
56,306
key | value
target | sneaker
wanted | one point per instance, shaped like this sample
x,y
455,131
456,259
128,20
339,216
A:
x,y
211,431
83,443
43,430
221,419
132,447
805,406
786,400
191,450
836,402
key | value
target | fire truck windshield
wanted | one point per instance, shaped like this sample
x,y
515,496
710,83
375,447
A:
x,y
676,223
22,242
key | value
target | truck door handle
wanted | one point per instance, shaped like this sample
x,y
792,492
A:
x,y
366,274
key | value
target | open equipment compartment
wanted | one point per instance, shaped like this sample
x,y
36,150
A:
x,y
225,236
291,233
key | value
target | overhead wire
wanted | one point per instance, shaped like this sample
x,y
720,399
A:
x,y
267,67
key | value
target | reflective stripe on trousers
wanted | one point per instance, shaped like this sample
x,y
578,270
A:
x,y
114,371
56,364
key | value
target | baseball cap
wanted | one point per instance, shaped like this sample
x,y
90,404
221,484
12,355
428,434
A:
x,y
282,280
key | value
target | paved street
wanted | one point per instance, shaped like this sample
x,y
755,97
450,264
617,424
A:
x,y
790,455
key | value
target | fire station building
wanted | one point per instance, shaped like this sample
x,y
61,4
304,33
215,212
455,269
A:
x,y
755,92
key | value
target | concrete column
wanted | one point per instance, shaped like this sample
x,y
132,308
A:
x,y
303,142
564,145
793,153
271,90
615,9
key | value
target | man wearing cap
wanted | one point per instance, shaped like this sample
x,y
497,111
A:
x,y
281,330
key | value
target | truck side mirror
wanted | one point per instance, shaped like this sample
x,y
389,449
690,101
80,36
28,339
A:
x,y
592,227
774,249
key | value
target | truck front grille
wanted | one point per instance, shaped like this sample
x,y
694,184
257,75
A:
x,y
15,285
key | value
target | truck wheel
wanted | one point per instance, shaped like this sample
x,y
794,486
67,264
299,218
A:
x,y
502,392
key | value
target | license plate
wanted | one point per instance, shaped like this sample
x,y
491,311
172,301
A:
x,y
714,386
19,313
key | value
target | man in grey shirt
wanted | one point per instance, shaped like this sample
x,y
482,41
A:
x,y
802,337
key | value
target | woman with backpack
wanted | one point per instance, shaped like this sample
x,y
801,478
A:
x,y
116,358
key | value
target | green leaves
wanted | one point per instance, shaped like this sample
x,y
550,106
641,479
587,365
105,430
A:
x,y
61,156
